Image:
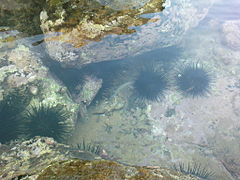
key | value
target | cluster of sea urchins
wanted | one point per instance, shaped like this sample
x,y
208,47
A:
x,y
38,120
192,80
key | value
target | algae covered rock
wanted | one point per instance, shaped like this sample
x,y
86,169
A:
x,y
43,158
106,170
25,158
20,66
84,21
92,35
79,23
118,4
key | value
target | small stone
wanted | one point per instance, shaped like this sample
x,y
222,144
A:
x,y
33,90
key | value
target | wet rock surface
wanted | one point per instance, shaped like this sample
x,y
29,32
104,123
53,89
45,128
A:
x,y
93,23
22,72
24,67
118,4
162,30
43,158
26,158
107,170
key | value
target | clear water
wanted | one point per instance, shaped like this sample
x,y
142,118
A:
x,y
164,118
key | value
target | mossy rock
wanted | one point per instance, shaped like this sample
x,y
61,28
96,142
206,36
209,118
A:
x,y
106,170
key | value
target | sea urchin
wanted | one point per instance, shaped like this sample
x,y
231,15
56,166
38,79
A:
x,y
46,120
195,169
150,85
11,107
194,81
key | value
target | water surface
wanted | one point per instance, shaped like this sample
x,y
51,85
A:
x,y
128,89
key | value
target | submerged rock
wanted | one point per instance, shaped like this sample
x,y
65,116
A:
x,y
231,34
27,158
21,69
89,90
86,37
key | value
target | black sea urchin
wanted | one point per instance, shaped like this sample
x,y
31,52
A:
x,y
195,169
10,109
46,120
150,85
89,147
194,81
86,151
8,122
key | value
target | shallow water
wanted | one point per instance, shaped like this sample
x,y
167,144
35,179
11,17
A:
x,y
164,94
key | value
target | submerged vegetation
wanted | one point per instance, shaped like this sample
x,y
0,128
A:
x,y
194,81
46,120
195,169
